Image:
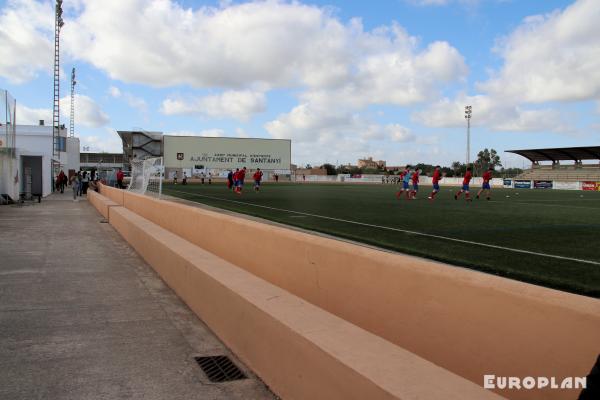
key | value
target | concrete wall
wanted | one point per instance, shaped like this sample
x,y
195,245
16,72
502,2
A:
x,y
9,170
467,322
299,350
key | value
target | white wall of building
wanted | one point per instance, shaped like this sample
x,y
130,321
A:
x,y
8,176
36,140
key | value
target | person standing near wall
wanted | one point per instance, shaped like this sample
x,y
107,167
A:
x,y
79,185
120,176
75,186
85,182
230,179
61,181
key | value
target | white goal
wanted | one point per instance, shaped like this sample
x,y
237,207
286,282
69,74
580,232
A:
x,y
147,176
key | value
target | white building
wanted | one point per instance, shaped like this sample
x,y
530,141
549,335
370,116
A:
x,y
35,167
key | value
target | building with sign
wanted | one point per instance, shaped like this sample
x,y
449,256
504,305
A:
x,y
195,155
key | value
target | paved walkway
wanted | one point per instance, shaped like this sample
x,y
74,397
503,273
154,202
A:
x,y
82,316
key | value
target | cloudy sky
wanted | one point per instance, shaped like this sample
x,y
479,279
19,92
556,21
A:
x,y
342,79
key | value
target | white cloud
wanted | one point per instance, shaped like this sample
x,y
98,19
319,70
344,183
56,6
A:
x,y
256,44
133,101
240,105
490,113
553,57
108,142
87,113
32,116
548,58
399,133
25,47
114,92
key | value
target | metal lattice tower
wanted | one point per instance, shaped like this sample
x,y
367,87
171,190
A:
x,y
72,125
58,23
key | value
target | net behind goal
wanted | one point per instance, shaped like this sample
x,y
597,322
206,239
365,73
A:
x,y
147,176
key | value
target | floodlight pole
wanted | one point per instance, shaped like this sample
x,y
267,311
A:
x,y
468,112
58,23
72,124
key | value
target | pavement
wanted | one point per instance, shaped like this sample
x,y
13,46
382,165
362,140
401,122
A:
x,y
82,316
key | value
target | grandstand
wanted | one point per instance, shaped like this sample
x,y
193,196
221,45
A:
x,y
572,172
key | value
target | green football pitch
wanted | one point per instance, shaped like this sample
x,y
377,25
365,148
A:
x,y
546,237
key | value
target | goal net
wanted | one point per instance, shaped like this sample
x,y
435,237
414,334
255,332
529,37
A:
x,y
147,176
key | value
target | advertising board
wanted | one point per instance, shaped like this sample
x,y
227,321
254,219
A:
x,y
521,184
542,184
566,185
588,185
508,183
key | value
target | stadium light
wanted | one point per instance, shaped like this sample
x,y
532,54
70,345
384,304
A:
x,y
468,112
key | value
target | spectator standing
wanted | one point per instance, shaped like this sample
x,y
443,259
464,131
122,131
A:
x,y
230,179
120,176
61,181
75,186
85,182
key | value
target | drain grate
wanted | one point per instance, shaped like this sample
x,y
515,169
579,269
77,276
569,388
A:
x,y
220,369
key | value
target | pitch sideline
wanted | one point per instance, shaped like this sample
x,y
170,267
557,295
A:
x,y
493,246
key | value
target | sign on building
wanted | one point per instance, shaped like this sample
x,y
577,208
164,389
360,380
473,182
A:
x,y
226,153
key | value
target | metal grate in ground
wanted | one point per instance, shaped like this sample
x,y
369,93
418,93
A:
x,y
220,368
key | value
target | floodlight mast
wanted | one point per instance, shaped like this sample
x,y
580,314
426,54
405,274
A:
x,y
58,24
468,112
72,125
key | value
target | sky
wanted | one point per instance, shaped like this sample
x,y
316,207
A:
x,y
342,79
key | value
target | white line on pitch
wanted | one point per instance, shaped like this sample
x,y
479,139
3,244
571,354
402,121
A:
x,y
493,246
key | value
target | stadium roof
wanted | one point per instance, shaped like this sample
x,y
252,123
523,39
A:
x,y
559,154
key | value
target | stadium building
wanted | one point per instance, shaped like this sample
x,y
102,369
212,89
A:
x,y
575,168
28,165
196,155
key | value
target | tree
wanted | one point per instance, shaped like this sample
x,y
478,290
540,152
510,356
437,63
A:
x,y
488,158
329,168
458,168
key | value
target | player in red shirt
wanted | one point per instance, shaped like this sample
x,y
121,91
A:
x,y
435,180
465,186
415,181
257,178
240,179
487,177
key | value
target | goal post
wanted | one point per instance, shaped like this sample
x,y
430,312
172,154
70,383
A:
x,y
147,176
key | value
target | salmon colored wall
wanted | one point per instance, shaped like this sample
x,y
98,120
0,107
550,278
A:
x,y
300,351
101,203
112,193
468,322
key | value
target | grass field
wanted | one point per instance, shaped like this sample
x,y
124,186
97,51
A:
x,y
547,237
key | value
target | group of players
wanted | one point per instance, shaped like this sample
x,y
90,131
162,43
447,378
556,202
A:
x,y
409,175
235,180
